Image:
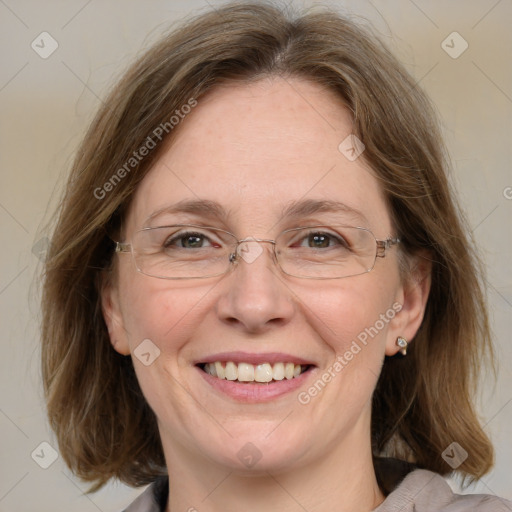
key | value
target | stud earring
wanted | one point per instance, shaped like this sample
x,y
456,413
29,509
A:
x,y
402,343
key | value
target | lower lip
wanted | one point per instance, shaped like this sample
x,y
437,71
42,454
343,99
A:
x,y
256,392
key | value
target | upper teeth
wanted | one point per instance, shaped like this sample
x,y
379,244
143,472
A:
x,y
245,372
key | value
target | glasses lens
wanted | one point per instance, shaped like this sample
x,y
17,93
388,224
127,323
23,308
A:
x,y
326,252
191,251
182,251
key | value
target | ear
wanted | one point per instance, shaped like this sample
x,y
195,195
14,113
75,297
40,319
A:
x,y
412,295
111,309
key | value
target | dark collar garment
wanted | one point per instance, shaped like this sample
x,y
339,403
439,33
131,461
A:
x,y
153,499
420,491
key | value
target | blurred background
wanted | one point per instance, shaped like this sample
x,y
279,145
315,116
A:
x,y
58,59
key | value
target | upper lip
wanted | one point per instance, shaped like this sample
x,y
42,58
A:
x,y
254,358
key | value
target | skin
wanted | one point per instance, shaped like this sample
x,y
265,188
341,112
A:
x,y
238,140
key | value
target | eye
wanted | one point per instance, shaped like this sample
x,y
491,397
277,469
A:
x,y
319,240
322,240
189,240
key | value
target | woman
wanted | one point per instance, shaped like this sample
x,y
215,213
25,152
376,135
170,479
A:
x,y
260,294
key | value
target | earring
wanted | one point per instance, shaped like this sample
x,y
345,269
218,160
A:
x,y
402,343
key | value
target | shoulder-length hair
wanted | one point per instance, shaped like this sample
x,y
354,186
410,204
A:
x,y
422,403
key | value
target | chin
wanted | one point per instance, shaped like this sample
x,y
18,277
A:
x,y
253,451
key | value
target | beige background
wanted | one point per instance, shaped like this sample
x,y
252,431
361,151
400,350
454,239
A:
x,y
47,103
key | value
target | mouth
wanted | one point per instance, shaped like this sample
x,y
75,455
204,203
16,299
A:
x,y
247,373
255,378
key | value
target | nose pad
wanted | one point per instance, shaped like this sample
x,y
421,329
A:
x,y
249,250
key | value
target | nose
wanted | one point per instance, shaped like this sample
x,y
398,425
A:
x,y
254,297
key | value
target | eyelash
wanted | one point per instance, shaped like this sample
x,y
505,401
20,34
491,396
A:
x,y
183,236
170,241
338,238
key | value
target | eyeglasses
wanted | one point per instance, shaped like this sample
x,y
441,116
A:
x,y
188,251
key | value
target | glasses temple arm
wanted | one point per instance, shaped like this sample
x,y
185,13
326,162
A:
x,y
122,247
384,245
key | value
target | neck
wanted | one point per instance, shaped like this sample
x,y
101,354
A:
x,y
342,479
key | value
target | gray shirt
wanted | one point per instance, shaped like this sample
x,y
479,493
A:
x,y
419,491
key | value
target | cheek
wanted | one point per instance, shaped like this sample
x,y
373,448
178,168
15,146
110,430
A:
x,y
162,311
356,310
348,317
167,314
353,319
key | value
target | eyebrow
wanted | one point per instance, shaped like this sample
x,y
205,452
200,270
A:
x,y
307,207
295,209
193,206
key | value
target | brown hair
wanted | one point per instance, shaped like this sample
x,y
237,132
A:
x,y
422,403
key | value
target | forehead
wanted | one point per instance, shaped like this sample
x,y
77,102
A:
x,y
256,149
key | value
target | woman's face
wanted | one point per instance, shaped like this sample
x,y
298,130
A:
x,y
254,151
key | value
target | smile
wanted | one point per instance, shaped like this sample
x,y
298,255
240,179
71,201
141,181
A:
x,y
255,377
253,373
